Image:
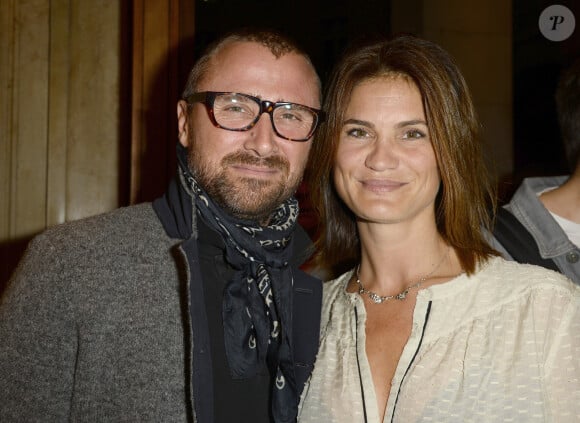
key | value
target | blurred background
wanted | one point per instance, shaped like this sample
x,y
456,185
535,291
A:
x,y
88,89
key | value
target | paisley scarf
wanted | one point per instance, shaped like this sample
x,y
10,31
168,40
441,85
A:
x,y
257,301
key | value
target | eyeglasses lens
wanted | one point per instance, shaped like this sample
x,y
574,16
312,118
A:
x,y
236,111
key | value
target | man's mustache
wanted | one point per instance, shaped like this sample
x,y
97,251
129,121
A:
x,y
275,162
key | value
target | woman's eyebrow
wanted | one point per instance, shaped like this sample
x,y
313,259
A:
x,y
358,122
411,122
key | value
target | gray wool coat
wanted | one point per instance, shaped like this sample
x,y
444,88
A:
x,y
91,328
95,324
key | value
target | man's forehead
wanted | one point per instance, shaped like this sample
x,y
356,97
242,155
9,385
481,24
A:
x,y
250,68
242,50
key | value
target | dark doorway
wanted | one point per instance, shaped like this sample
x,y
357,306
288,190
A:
x,y
322,28
537,64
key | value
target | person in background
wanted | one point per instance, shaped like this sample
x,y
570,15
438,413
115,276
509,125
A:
x,y
428,322
192,308
548,208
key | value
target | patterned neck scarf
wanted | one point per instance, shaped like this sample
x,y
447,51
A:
x,y
257,301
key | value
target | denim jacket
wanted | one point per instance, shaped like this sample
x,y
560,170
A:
x,y
551,239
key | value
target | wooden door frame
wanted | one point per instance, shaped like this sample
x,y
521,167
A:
x,y
161,31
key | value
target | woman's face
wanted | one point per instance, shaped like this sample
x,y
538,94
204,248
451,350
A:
x,y
385,169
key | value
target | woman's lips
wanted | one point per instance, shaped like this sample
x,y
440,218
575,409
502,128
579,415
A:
x,y
382,185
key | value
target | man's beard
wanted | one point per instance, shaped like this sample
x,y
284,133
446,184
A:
x,y
243,197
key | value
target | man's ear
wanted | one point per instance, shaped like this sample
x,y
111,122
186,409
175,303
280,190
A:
x,y
182,123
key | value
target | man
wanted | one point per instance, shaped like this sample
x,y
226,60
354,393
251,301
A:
x,y
549,207
191,308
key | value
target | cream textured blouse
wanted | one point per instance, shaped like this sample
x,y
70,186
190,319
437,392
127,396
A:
x,y
502,345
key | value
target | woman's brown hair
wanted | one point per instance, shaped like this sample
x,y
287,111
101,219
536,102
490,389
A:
x,y
466,194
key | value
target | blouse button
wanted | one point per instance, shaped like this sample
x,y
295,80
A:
x,y
572,257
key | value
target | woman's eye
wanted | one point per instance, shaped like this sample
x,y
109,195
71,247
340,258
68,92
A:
x,y
413,134
357,133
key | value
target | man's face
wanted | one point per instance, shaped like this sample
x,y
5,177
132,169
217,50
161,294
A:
x,y
249,173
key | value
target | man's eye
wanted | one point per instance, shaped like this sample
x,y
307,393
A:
x,y
236,108
291,116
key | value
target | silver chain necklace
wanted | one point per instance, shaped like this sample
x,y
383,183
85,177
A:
x,y
378,299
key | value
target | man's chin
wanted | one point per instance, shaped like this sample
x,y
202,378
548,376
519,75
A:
x,y
253,199
252,206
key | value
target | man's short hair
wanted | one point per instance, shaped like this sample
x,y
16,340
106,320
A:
x,y
278,44
568,108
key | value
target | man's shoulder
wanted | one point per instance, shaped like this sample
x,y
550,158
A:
x,y
123,217
130,223
531,186
123,247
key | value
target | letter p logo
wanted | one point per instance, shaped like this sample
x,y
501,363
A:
x,y
556,23
557,20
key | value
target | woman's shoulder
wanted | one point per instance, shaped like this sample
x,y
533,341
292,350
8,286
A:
x,y
335,299
510,275
333,288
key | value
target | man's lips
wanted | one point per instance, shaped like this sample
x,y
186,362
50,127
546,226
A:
x,y
260,171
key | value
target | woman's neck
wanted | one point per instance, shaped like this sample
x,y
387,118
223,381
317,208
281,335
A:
x,y
396,256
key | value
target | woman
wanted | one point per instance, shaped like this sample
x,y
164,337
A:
x,y
428,323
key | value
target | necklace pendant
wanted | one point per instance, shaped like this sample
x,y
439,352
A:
x,y
375,298
402,295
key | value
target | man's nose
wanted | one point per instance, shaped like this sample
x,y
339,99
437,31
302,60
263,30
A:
x,y
262,138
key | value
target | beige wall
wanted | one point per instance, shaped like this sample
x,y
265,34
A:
x,y
87,98
478,34
59,112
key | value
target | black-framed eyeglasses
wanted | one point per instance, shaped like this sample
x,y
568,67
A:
x,y
240,112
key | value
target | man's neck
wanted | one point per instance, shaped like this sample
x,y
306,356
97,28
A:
x,y
565,200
